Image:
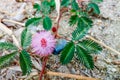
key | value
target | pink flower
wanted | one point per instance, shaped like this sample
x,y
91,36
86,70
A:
x,y
43,43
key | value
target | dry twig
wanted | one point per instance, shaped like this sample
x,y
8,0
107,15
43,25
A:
x,y
69,75
102,44
73,76
12,21
10,33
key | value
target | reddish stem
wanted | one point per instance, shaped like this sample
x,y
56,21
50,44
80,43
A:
x,y
56,33
59,21
61,12
43,67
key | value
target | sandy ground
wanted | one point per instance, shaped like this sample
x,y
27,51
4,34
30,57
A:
x,y
105,30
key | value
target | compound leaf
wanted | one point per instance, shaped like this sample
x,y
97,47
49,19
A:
x,y
73,20
8,45
26,37
90,46
84,57
84,24
6,58
67,53
25,62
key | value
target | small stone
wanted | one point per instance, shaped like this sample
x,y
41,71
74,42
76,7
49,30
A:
x,y
73,71
63,69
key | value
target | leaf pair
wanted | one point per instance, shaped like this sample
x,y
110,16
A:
x,y
25,62
84,57
26,38
8,46
47,22
44,7
84,24
67,53
90,46
74,4
83,50
6,58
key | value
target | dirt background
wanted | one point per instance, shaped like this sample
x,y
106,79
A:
x,y
107,30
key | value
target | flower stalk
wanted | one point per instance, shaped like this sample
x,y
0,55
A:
x,y
43,67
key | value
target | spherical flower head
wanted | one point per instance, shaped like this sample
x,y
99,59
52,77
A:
x,y
43,43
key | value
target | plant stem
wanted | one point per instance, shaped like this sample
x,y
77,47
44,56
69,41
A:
x,y
61,12
43,67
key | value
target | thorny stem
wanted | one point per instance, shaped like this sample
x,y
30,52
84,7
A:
x,y
43,67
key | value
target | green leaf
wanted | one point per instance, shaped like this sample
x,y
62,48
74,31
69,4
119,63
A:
x,y
32,21
84,57
7,45
25,62
52,3
84,24
73,12
6,58
45,7
26,37
84,21
65,3
95,8
73,20
67,53
75,5
90,46
97,1
83,14
47,23
37,7
79,33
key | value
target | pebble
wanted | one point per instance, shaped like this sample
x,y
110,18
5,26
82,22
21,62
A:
x,y
63,69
